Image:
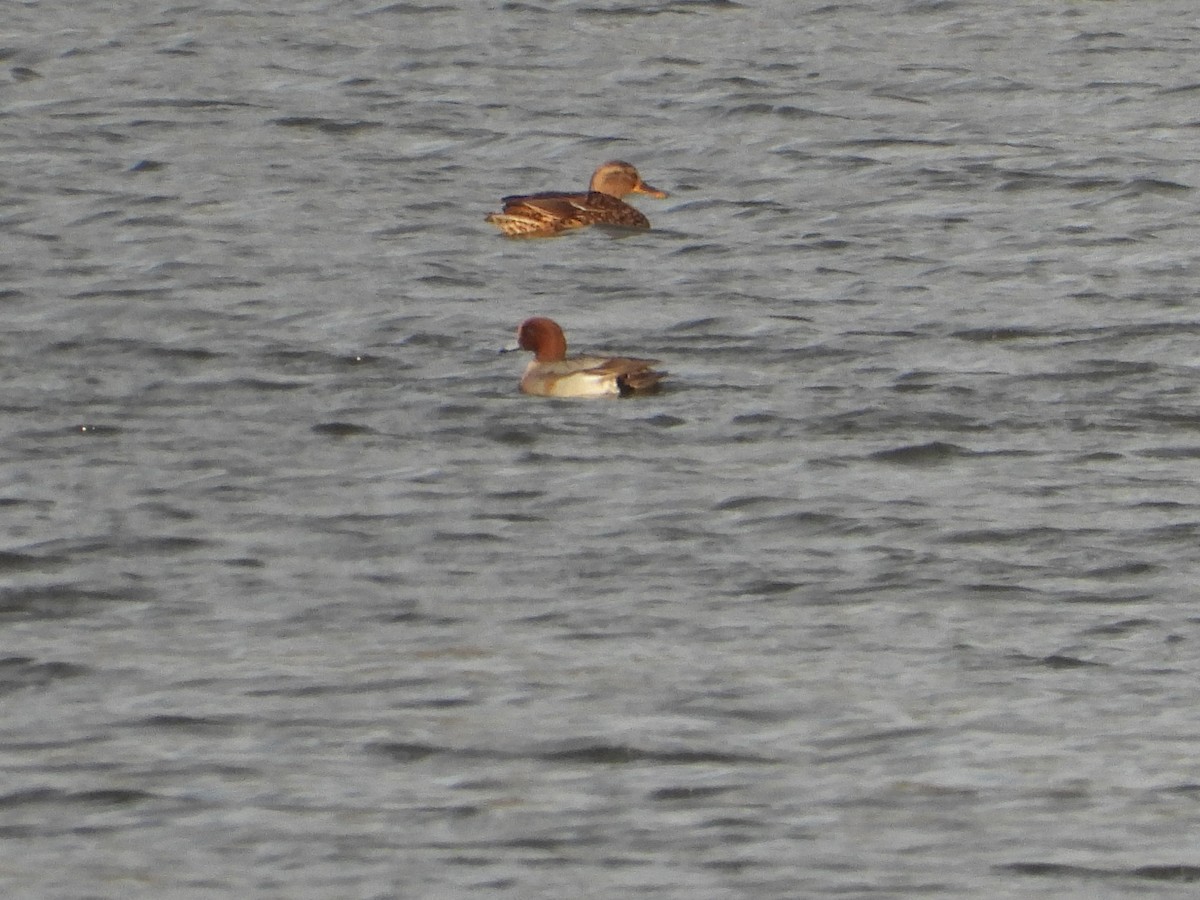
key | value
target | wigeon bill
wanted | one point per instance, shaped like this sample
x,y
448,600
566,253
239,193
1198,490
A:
x,y
551,373
552,212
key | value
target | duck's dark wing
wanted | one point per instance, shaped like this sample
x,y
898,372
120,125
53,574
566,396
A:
x,y
634,376
594,207
555,205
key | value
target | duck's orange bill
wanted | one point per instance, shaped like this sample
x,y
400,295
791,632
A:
x,y
650,191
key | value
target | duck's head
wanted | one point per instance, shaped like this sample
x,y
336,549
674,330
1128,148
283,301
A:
x,y
619,178
543,338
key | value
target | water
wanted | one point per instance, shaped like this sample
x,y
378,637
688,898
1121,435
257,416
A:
x,y
890,594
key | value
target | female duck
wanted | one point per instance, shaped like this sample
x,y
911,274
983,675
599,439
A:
x,y
552,373
551,213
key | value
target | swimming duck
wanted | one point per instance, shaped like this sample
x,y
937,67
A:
x,y
551,213
551,373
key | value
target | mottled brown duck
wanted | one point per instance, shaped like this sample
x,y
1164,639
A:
x,y
553,212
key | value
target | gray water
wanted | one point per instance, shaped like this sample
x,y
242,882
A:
x,y
891,592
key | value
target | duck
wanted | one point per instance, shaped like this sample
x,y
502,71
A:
x,y
551,213
551,373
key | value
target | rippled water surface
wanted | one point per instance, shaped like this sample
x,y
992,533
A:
x,y
890,593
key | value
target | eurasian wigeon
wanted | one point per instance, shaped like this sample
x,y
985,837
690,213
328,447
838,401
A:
x,y
553,212
551,373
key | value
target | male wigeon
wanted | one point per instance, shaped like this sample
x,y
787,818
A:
x,y
551,373
553,212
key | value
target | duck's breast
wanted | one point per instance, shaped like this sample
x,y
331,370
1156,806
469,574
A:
x,y
576,377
